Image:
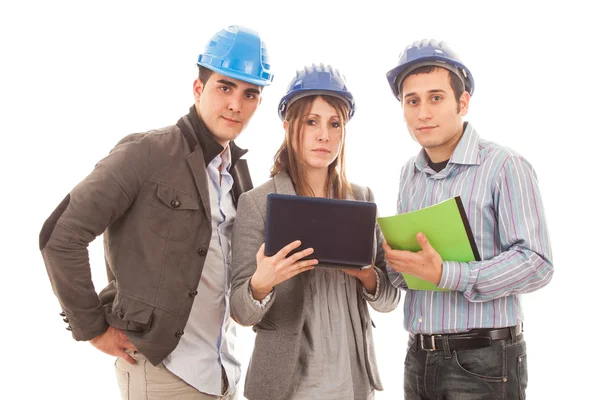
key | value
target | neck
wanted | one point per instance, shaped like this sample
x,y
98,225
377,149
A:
x,y
444,152
317,179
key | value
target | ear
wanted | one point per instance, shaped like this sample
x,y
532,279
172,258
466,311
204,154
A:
x,y
463,103
286,123
198,88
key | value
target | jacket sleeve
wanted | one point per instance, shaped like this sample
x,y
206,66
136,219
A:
x,y
526,263
248,236
387,297
85,213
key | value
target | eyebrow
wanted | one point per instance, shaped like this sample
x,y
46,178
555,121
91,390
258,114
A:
x,y
429,91
234,85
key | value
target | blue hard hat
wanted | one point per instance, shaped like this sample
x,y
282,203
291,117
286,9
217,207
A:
x,y
316,80
238,53
428,52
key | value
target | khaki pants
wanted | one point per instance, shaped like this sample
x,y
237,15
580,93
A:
x,y
144,381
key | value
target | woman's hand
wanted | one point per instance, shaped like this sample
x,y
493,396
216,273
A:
x,y
366,276
271,271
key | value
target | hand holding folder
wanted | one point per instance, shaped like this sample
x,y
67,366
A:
x,y
446,226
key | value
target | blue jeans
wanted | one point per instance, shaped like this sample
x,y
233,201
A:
x,y
495,372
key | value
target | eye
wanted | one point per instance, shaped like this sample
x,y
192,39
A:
x,y
336,124
225,89
311,122
437,98
251,96
411,102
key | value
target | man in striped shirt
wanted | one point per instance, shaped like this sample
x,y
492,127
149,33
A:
x,y
465,341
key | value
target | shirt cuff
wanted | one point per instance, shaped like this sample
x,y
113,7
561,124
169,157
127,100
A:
x,y
455,276
370,296
259,303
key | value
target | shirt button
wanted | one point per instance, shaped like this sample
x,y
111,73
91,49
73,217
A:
x,y
420,319
179,333
120,314
193,293
175,203
202,251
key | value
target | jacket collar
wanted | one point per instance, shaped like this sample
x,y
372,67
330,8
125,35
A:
x,y
210,147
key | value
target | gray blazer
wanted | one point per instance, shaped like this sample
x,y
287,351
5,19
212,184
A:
x,y
278,326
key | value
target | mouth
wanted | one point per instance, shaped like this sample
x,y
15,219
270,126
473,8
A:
x,y
321,150
426,128
231,120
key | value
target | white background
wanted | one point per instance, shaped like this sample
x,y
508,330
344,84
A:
x,y
76,77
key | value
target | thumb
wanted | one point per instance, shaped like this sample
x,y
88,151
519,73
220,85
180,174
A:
x,y
423,242
261,253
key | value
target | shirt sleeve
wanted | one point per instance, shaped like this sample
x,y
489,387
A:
x,y
262,304
525,265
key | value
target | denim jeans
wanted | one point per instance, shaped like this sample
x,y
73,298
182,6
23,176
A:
x,y
495,372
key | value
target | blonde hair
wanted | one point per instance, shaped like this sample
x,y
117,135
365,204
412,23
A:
x,y
286,159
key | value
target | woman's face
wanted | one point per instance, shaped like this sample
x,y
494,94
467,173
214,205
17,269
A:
x,y
321,135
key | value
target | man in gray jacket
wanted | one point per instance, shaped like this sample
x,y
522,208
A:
x,y
165,201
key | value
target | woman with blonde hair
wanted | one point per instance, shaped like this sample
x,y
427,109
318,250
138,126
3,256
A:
x,y
312,324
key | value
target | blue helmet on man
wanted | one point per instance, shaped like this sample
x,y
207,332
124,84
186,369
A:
x,y
316,80
428,52
239,53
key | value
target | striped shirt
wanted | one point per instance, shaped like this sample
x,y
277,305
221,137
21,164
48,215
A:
x,y
501,197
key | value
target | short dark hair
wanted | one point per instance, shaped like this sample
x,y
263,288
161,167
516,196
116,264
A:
x,y
458,86
204,74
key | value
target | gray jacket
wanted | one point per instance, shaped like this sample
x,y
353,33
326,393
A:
x,y
150,198
279,325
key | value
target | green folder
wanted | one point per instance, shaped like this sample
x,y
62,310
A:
x,y
447,228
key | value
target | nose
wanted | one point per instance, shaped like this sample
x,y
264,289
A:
x,y
424,112
235,104
323,134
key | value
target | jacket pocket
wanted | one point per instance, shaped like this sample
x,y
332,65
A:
x,y
173,214
130,314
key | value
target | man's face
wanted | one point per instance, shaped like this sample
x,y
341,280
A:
x,y
432,115
226,105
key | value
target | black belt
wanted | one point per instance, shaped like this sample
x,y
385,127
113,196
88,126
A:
x,y
475,339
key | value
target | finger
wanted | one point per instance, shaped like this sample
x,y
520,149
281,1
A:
x,y
301,254
260,254
300,270
287,249
424,242
305,263
386,247
121,353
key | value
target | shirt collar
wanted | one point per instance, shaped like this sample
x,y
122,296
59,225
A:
x,y
222,159
466,152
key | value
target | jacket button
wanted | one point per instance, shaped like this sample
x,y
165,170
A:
x,y
202,251
179,333
193,293
120,314
175,203
66,320
69,328
62,314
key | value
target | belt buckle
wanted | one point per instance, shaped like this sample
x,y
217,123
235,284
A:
x,y
432,337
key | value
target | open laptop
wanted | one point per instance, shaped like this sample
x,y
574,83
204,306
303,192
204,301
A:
x,y
340,231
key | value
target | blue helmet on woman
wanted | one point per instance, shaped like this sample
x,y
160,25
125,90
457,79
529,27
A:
x,y
238,53
428,52
317,80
